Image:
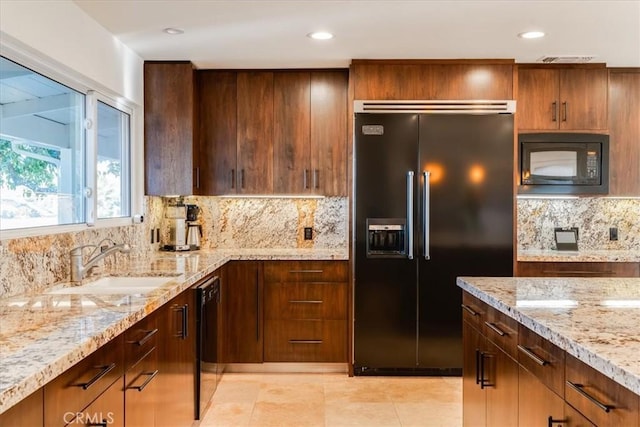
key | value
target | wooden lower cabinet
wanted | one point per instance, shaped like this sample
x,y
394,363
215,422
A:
x,y
501,382
242,307
574,418
141,391
107,410
28,413
537,404
578,269
175,393
474,398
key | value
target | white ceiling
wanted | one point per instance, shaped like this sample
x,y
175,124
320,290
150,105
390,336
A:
x,y
272,34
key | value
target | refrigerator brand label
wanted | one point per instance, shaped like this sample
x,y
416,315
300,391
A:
x,y
372,130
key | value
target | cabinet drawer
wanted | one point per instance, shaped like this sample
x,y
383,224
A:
x,y
603,401
542,358
502,330
306,271
75,388
473,310
139,340
141,384
305,300
305,341
106,410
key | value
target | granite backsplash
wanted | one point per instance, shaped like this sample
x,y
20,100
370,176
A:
x,y
593,216
33,263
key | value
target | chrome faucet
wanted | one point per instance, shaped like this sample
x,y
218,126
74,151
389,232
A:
x,y
79,270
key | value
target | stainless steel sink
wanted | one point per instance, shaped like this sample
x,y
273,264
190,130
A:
x,y
116,285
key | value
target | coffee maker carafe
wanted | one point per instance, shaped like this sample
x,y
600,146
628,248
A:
x,y
194,229
176,216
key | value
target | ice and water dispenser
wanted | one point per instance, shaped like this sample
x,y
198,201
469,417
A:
x,y
386,238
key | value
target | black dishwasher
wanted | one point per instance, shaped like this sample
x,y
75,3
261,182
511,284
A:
x,y
207,301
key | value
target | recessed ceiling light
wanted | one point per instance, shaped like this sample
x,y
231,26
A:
x,y
531,35
173,31
320,35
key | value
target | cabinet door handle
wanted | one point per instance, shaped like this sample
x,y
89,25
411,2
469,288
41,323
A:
x,y
495,329
305,341
306,271
585,272
102,424
151,376
242,178
104,370
484,383
550,421
469,310
303,301
147,337
316,179
257,306
478,356
554,111
532,355
580,389
305,179
197,177
233,178
564,111
185,321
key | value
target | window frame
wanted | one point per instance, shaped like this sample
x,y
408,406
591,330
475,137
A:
x,y
91,90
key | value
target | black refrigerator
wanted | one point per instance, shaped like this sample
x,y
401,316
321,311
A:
x,y
433,200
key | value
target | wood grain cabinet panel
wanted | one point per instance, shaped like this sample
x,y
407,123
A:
x,y
474,398
217,93
291,146
537,404
242,307
81,384
501,382
169,117
328,132
305,301
305,340
600,399
564,98
255,103
27,413
578,269
624,132
306,271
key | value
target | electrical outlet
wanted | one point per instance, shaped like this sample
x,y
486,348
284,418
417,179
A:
x,y
613,233
308,233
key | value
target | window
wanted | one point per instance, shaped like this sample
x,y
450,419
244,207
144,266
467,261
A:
x,y
64,154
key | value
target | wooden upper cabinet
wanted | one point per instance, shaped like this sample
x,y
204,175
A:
x,y
329,132
562,98
254,132
432,80
218,131
624,132
169,128
291,112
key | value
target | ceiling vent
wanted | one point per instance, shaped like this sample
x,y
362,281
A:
x,y
435,107
566,59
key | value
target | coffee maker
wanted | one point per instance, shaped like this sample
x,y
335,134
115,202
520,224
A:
x,y
176,216
194,228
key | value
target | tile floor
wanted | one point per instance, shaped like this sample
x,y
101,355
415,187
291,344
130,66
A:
x,y
334,400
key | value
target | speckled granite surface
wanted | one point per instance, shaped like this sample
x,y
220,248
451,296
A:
x,y
603,255
42,335
596,320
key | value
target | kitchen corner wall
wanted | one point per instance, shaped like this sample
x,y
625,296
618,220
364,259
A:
x,y
538,217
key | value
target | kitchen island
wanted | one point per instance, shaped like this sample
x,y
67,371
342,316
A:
x,y
592,322
42,335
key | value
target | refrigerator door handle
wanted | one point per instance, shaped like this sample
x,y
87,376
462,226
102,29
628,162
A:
x,y
410,214
425,225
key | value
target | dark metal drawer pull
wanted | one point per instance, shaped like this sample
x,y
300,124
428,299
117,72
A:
x,y
102,424
305,271
579,389
495,329
305,341
147,337
308,301
151,375
550,421
469,309
585,272
104,370
532,355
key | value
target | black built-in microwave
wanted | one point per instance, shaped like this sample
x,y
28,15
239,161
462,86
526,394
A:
x,y
563,163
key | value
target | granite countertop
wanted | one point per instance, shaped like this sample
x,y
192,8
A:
x,y
43,335
597,320
550,255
